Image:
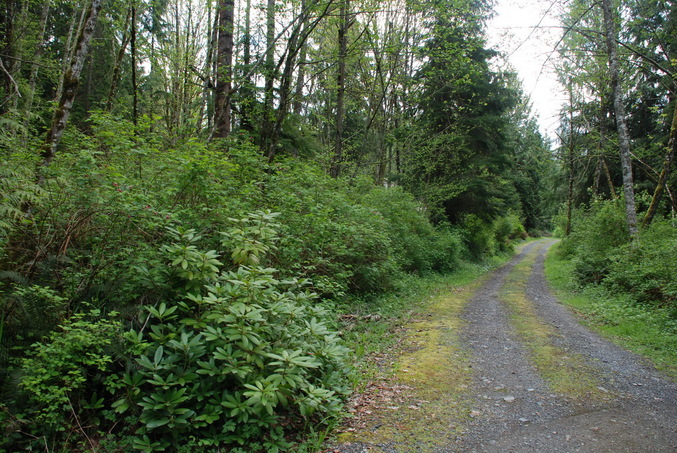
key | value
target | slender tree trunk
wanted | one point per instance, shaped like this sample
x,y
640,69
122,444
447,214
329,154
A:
x,y
210,70
71,80
662,179
619,108
70,49
604,110
570,161
609,179
284,91
270,55
570,193
295,43
135,88
186,95
10,88
118,62
32,83
337,158
300,82
246,93
300,73
206,78
224,70
269,76
86,91
597,177
174,113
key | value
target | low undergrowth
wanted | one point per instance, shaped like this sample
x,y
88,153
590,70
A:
x,y
648,330
642,269
232,358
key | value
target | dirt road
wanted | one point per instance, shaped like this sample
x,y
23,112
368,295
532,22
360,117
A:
x,y
503,367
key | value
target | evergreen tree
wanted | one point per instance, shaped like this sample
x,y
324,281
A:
x,y
460,158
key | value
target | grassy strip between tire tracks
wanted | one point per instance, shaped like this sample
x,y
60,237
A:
x,y
566,373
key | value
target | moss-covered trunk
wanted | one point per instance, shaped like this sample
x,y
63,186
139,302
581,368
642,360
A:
x,y
71,80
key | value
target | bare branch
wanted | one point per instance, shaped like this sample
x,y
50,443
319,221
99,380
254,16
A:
x,y
11,79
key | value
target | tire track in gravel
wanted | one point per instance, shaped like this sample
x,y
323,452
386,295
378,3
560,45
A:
x,y
632,408
541,382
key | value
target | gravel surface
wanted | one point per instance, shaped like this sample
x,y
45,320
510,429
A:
x,y
512,408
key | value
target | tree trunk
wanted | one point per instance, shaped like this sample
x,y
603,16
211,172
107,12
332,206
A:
x,y
205,76
135,89
71,80
118,63
224,70
605,112
210,70
337,158
662,179
269,75
301,73
570,161
295,43
10,88
247,97
40,49
70,49
270,55
609,179
597,176
293,49
619,109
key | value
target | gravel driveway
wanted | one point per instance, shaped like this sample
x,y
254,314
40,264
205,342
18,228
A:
x,y
612,400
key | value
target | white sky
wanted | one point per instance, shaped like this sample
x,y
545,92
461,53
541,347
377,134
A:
x,y
530,52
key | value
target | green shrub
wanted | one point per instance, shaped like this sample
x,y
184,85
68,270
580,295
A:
x,y
596,234
341,244
647,268
602,253
229,360
411,234
447,249
232,357
66,374
479,237
507,229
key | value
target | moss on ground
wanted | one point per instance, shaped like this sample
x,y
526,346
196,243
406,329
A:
x,y
565,372
432,370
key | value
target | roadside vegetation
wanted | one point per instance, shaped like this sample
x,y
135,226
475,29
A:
x,y
183,297
625,288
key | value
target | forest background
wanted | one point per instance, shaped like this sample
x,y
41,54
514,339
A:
x,y
190,192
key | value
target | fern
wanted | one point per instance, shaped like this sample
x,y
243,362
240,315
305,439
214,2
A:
x,y
17,192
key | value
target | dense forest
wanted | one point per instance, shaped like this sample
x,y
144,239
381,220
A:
x,y
190,191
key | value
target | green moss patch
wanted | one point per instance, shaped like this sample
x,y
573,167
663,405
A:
x,y
565,372
422,404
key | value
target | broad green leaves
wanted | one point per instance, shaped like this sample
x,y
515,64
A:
x,y
242,347
223,357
